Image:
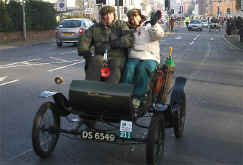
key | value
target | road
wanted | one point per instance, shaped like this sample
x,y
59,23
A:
x,y
213,131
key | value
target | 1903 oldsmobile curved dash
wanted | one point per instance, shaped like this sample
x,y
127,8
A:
x,y
111,104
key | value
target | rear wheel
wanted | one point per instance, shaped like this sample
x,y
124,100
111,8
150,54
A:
x,y
44,138
155,140
59,44
178,108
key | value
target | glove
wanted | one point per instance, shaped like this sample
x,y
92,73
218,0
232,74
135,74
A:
x,y
115,44
155,17
84,53
101,50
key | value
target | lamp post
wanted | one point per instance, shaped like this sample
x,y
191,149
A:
x,y
24,21
219,11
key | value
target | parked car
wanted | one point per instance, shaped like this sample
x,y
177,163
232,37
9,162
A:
x,y
69,30
195,25
204,23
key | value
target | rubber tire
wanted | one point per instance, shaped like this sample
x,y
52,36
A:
x,y
59,44
179,118
157,123
36,130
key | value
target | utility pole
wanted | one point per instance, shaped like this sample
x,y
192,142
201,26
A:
x,y
24,21
118,12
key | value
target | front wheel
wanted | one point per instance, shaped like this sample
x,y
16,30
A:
x,y
44,137
178,108
155,140
59,44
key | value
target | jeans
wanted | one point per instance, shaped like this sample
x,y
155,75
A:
x,y
139,73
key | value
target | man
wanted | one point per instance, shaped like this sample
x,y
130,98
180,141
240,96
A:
x,y
172,24
187,21
109,34
144,56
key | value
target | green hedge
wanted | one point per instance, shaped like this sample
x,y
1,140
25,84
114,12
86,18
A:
x,y
39,16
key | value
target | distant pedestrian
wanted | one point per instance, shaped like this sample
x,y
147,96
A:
x,y
228,27
172,24
241,33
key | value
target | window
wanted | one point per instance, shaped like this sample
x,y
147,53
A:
x,y
70,23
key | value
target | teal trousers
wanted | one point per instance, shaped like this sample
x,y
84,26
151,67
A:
x,y
139,73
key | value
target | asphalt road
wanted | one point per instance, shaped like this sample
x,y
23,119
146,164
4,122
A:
x,y
214,122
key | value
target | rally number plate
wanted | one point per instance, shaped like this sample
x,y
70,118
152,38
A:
x,y
98,136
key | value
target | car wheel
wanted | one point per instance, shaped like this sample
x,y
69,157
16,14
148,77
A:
x,y
59,44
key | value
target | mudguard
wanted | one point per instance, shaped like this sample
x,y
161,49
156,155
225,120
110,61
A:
x,y
178,89
63,107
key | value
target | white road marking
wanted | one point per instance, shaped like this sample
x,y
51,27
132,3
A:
x,y
231,45
191,43
194,39
3,78
51,70
211,38
22,62
25,64
21,154
178,38
59,59
10,82
203,61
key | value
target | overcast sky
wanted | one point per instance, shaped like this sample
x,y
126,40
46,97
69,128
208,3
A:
x,y
70,3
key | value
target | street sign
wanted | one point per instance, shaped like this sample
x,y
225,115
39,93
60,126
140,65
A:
x,y
88,11
61,5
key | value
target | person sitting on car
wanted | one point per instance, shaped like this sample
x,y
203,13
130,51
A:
x,y
144,56
109,34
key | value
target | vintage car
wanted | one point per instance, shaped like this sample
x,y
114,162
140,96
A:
x,y
111,105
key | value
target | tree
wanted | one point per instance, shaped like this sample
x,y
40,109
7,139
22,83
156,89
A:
x,y
238,4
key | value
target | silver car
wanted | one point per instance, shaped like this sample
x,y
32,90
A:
x,y
195,25
69,30
204,23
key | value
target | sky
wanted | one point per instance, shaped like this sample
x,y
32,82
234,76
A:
x,y
70,3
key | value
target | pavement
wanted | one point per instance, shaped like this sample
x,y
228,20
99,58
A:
x,y
234,39
22,43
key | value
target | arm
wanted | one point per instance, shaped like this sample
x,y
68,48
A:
x,y
85,43
156,32
126,37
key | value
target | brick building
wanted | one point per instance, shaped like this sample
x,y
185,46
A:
x,y
202,4
222,8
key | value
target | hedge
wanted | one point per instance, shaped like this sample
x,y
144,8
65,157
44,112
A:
x,y
39,16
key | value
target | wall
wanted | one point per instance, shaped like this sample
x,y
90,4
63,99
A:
x,y
34,35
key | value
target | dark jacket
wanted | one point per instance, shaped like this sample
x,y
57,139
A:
x,y
116,37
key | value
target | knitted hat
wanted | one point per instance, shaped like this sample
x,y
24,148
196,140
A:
x,y
134,12
107,9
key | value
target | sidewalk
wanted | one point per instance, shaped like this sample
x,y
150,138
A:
x,y
22,43
234,39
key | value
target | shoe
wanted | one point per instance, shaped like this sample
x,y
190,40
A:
x,y
136,103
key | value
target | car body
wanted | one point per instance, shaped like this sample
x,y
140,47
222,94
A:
x,y
204,23
195,25
69,30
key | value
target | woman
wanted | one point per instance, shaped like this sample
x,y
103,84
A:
x,y
144,56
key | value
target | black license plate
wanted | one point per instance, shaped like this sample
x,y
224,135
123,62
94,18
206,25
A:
x,y
98,136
